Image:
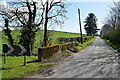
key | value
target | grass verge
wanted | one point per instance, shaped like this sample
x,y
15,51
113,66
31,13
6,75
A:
x,y
14,67
113,45
82,46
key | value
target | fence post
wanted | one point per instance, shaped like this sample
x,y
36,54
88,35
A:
x,y
39,55
25,60
4,58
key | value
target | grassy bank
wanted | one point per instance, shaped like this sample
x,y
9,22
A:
x,y
113,45
82,46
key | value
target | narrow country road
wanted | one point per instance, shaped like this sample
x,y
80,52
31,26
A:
x,y
98,60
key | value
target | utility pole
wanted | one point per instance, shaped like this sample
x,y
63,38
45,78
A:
x,y
80,26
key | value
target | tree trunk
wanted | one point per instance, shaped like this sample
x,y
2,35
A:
x,y
27,40
31,43
90,34
8,33
45,26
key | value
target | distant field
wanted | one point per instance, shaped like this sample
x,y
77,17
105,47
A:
x,y
38,38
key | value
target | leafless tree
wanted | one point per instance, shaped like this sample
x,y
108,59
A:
x,y
114,16
55,12
105,28
29,16
113,20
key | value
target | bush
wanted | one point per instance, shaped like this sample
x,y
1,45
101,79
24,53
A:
x,y
113,36
113,39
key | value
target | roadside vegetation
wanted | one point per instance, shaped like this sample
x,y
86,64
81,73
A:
x,y
14,67
111,29
113,45
82,46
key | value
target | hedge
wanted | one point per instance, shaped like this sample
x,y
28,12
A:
x,y
113,36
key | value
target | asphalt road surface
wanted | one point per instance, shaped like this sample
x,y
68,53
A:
x,y
98,60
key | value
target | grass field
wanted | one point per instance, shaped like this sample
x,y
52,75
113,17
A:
x,y
39,35
38,38
14,67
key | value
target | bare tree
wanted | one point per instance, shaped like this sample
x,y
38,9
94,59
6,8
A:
x,y
29,16
114,16
105,28
113,24
54,14
5,18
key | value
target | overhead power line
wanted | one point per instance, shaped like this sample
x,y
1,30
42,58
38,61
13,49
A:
x,y
75,5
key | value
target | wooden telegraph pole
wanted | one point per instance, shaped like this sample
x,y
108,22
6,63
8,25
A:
x,y
80,26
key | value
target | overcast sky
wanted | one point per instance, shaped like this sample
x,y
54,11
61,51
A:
x,y
99,7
